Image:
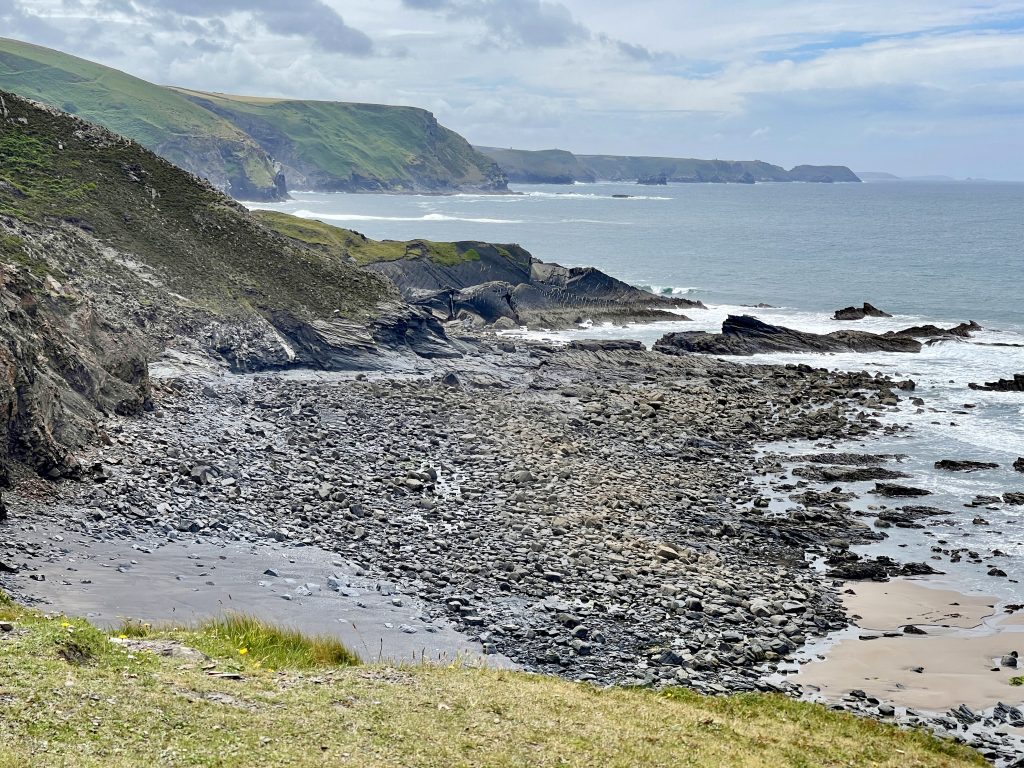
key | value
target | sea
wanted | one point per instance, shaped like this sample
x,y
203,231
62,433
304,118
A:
x,y
927,252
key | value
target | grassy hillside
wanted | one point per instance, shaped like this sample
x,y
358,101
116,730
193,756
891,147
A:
x,y
336,146
158,118
207,248
547,166
71,695
241,144
358,248
561,167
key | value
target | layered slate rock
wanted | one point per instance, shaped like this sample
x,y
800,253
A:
x,y
746,335
859,313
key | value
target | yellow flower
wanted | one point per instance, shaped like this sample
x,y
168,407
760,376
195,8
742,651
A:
x,y
242,651
65,624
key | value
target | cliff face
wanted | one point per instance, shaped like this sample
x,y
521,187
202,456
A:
x,y
549,166
342,147
561,167
110,254
156,117
252,148
485,283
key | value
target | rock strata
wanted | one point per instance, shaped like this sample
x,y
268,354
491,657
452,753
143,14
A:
x,y
746,335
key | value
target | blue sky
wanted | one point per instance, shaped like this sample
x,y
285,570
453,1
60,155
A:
x,y
915,87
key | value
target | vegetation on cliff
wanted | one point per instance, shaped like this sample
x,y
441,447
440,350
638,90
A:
x,y
254,148
341,147
561,167
108,254
71,694
158,118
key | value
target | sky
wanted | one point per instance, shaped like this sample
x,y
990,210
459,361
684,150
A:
x,y
912,87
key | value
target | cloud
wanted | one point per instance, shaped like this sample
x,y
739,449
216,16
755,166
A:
x,y
313,20
531,23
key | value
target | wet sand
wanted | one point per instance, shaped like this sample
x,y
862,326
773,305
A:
x,y
185,581
958,658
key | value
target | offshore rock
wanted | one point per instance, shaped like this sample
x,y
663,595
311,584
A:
x,y
746,335
859,313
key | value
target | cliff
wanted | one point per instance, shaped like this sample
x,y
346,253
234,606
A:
x,y
561,167
255,148
110,254
500,285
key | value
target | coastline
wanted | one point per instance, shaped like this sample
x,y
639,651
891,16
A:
x,y
679,576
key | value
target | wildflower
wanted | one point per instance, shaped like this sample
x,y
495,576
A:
x,y
242,651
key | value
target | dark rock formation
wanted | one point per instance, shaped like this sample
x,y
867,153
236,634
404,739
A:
x,y
1019,464
847,474
851,567
859,313
505,284
962,331
893,491
953,465
1016,384
746,335
606,345
1014,499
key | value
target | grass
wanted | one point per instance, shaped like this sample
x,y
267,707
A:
x,y
256,640
352,146
122,706
200,245
347,244
157,117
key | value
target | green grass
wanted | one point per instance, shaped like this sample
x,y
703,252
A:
x,y
158,118
347,244
346,145
118,704
252,640
199,244
1018,680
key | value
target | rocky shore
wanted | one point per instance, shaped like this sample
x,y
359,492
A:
x,y
596,512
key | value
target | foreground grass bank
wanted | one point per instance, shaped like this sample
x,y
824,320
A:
x,y
71,695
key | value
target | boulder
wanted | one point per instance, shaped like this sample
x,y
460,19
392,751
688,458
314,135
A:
x,y
952,465
859,313
1019,464
893,491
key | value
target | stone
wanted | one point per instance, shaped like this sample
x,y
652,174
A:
x,y
964,466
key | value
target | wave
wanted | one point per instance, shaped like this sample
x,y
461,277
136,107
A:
x,y
426,217
589,196
669,290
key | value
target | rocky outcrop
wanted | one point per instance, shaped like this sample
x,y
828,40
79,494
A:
x,y
953,465
143,258
63,367
504,284
1016,384
1018,465
961,331
746,335
859,313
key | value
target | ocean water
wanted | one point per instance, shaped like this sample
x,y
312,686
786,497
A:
x,y
927,252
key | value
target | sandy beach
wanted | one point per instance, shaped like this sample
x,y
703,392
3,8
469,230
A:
x,y
956,662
